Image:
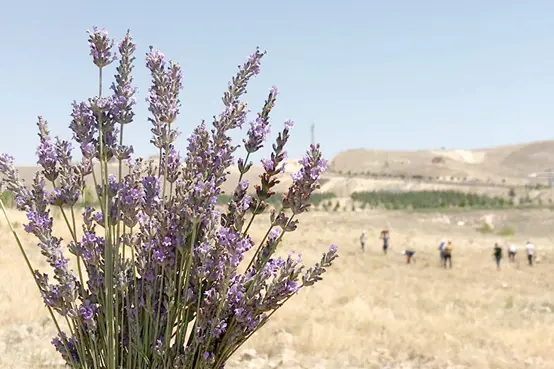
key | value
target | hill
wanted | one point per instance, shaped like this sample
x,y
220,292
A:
x,y
510,164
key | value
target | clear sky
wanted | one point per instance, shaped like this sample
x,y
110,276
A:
x,y
375,74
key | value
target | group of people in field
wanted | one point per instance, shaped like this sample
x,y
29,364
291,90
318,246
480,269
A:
x,y
445,251
512,251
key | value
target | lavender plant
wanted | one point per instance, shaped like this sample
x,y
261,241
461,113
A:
x,y
158,282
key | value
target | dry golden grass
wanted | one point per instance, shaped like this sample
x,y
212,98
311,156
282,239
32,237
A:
x,y
371,308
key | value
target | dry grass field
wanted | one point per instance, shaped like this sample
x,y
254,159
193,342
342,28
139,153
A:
x,y
371,310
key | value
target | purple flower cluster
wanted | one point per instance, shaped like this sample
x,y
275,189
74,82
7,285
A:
x,y
100,47
163,97
158,281
122,88
305,181
259,129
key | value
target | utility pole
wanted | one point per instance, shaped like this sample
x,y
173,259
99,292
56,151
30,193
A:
x,y
313,133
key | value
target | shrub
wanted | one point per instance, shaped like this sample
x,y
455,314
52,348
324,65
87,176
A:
x,y
318,197
7,198
175,298
426,199
507,231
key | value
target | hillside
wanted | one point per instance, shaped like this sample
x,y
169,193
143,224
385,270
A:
x,y
504,164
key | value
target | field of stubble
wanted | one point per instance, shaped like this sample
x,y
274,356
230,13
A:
x,y
371,310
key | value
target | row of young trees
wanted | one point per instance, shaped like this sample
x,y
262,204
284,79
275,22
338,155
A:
x,y
429,200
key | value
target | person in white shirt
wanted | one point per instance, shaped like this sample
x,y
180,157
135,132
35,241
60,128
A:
x,y
442,246
530,252
512,249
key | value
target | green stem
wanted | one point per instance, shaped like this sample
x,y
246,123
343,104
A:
x,y
165,172
160,299
28,262
120,174
108,251
180,337
245,232
245,163
95,186
75,240
265,238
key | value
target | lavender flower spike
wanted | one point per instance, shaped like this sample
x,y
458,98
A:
x,y
259,129
305,181
123,90
163,97
100,47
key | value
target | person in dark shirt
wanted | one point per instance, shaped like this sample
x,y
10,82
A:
x,y
448,254
385,238
497,255
362,240
410,255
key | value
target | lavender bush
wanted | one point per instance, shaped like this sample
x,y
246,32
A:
x,y
158,282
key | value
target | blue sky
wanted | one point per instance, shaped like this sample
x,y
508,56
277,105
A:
x,y
396,75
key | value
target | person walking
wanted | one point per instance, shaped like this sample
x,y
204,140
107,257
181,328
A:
x,y
448,254
530,252
362,240
385,238
442,246
497,255
512,250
